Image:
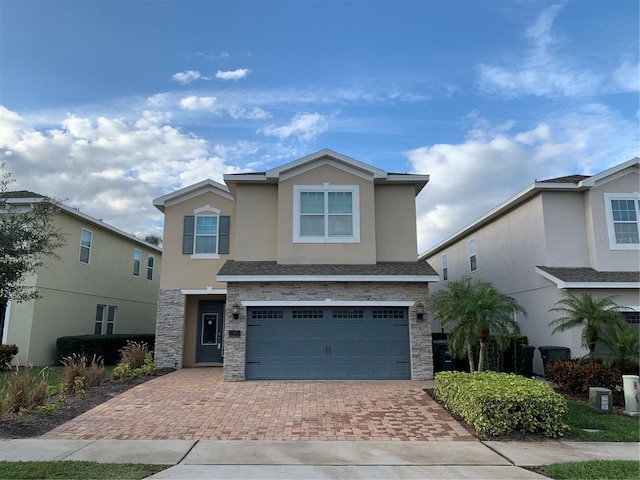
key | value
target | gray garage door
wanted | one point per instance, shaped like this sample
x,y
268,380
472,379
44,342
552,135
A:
x,y
327,343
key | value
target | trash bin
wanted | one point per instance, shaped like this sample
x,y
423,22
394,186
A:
x,y
551,352
527,360
441,357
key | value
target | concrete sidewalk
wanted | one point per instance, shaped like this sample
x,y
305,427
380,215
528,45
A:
x,y
322,459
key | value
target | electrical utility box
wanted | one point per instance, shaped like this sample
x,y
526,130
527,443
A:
x,y
600,400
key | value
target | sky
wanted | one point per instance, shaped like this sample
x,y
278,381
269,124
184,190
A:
x,y
107,105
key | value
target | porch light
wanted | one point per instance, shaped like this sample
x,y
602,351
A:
x,y
235,311
420,312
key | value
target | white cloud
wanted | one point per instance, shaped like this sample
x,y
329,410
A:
x,y
304,126
198,103
470,178
233,74
187,76
255,113
110,168
544,72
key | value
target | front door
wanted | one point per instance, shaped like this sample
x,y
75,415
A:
x,y
209,346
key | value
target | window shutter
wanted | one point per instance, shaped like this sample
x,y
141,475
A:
x,y
224,231
187,234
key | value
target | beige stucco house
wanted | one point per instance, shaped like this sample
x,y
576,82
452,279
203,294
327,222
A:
x,y
577,233
307,271
106,282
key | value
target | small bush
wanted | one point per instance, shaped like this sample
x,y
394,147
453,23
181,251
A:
x,y
577,375
497,403
24,391
133,354
123,371
78,366
7,352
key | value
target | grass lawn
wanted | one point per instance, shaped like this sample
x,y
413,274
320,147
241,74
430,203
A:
x,y
593,470
53,374
613,428
76,470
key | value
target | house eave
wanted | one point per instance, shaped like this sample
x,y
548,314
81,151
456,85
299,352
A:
x,y
561,284
329,278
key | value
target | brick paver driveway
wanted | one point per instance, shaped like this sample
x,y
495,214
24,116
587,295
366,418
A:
x,y
195,404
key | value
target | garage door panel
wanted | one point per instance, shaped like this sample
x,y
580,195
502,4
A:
x,y
361,343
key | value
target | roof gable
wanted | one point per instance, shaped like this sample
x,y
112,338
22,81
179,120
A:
x,y
205,186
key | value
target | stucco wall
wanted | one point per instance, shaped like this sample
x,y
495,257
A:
x,y
395,216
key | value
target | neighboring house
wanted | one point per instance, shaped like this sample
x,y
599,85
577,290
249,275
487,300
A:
x,y
105,282
577,233
307,271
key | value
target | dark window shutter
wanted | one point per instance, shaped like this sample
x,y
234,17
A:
x,y
225,228
187,234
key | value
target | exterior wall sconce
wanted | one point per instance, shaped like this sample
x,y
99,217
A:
x,y
420,312
235,311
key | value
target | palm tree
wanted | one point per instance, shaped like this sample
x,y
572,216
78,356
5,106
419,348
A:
x,y
586,311
622,343
475,309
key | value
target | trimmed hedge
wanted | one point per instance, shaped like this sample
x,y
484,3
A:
x,y
106,346
498,403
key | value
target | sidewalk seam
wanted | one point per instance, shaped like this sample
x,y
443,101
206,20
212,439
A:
x,y
496,451
188,452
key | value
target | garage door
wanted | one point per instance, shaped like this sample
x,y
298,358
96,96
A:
x,y
327,343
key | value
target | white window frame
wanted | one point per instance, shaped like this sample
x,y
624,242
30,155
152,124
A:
x,y
88,262
608,197
137,260
206,211
445,268
473,255
101,309
326,188
150,268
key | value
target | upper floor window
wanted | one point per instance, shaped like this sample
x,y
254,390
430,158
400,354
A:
x,y
85,245
473,263
150,265
137,258
623,211
445,269
326,214
205,234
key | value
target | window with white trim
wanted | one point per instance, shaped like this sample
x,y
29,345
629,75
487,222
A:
x,y
137,258
97,330
86,237
473,262
623,211
326,214
445,269
150,264
206,233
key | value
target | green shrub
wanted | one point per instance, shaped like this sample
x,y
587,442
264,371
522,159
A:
x,y
134,354
7,352
77,366
123,371
105,346
498,403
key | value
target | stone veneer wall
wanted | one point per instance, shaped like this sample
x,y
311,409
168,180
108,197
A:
x,y
419,332
169,329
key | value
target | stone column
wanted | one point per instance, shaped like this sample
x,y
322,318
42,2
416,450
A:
x,y
169,329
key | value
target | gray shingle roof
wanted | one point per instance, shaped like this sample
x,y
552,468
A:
x,y
22,194
238,268
567,179
589,275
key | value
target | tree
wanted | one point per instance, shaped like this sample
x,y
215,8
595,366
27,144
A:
x,y
28,238
586,311
476,309
622,343
153,240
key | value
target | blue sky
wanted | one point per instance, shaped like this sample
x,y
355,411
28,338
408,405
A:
x,y
109,104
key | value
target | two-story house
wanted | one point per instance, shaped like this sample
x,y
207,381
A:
x,y
577,233
105,282
307,271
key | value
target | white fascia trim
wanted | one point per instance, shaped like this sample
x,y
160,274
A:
x,y
325,303
591,181
205,291
562,284
329,278
328,161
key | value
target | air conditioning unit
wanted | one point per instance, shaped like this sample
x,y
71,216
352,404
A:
x,y
600,400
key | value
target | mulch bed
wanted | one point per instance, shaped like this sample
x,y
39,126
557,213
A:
x,y
34,424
